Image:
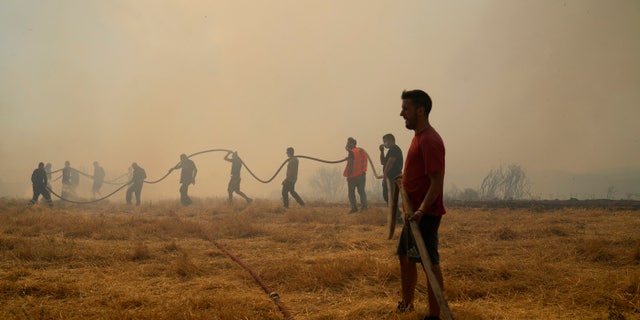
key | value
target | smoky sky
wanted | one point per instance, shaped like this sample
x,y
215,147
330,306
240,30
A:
x,y
553,86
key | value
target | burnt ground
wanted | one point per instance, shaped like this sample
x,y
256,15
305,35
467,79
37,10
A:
x,y
542,205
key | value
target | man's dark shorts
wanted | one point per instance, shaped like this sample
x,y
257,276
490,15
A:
x,y
234,184
429,229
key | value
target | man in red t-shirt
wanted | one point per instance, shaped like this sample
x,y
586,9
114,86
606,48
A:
x,y
423,179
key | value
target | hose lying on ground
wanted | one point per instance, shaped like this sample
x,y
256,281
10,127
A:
x,y
272,294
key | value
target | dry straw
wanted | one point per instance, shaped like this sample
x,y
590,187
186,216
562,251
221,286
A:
x,y
110,261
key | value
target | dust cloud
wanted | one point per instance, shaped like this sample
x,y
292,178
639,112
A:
x,y
549,85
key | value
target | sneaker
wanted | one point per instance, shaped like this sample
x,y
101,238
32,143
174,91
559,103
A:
x,y
353,211
404,307
431,318
249,200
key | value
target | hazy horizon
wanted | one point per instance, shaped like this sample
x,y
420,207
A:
x,y
551,86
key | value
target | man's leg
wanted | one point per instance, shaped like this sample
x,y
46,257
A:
x,y
186,193
351,189
408,279
385,194
65,190
236,187
184,196
47,196
138,194
98,189
285,194
430,236
240,193
295,195
36,195
362,181
128,196
434,307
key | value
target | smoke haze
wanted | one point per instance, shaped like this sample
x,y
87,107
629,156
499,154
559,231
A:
x,y
552,86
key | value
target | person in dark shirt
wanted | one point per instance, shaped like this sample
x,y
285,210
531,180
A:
x,y
392,164
39,182
137,180
289,183
187,177
98,179
234,182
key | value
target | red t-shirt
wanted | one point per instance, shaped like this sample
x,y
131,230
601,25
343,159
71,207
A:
x,y
425,156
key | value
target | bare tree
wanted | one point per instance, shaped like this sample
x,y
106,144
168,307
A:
x,y
506,182
492,184
328,182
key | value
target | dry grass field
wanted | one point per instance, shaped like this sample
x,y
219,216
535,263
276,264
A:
x,y
111,261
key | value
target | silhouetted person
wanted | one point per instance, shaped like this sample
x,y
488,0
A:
x,y
187,177
67,188
234,182
391,163
47,169
137,180
356,174
39,182
289,183
98,179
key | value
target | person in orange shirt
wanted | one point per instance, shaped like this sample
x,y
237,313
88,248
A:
x,y
356,174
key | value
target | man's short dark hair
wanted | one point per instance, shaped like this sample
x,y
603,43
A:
x,y
389,136
418,98
290,150
352,141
